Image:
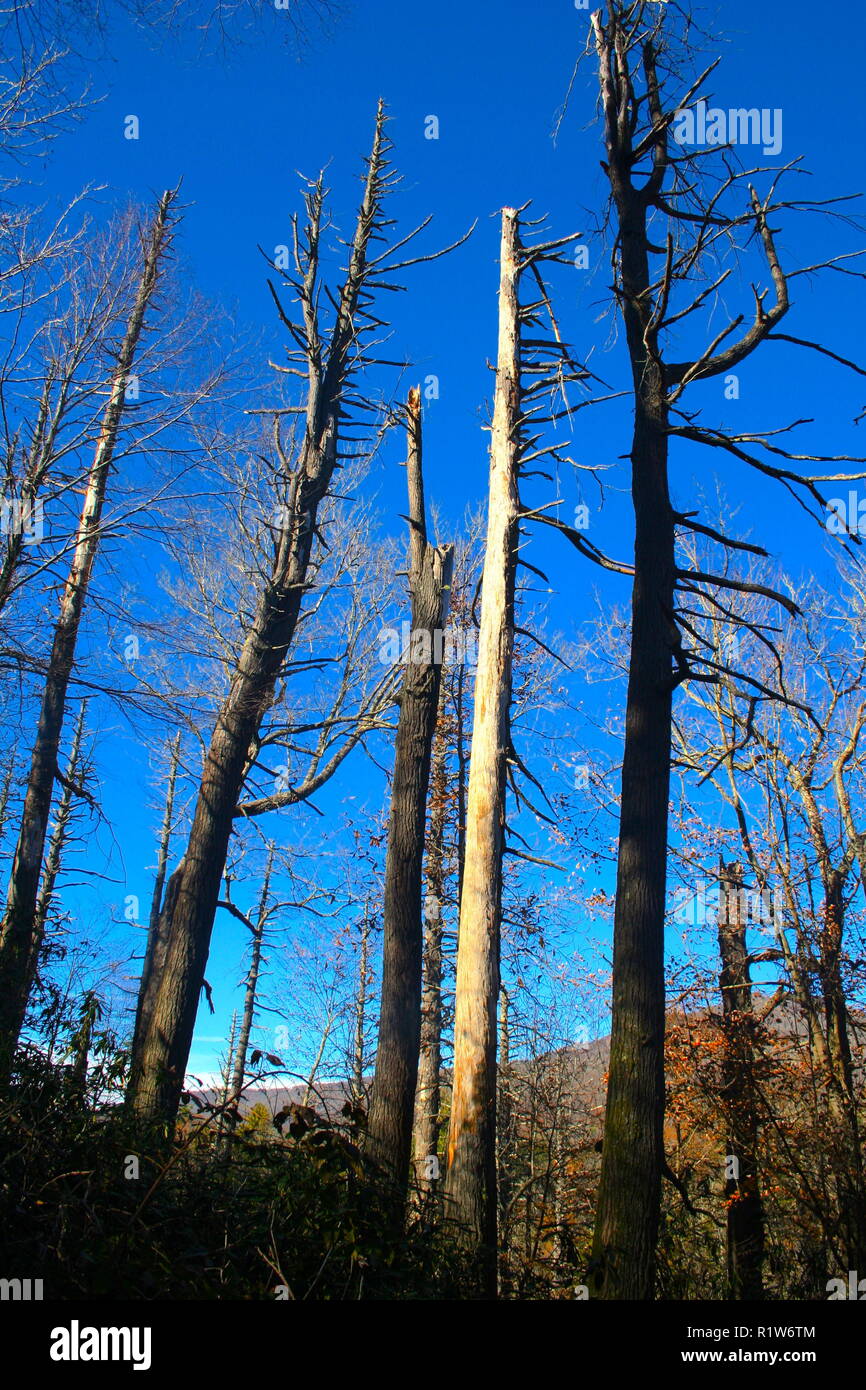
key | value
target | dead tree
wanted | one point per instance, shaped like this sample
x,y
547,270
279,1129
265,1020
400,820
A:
x,y
664,207
470,1183
330,362
428,1099
444,858
529,371
17,931
396,1073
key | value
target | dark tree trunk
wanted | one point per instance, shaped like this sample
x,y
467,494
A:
x,y
629,1192
396,1074
843,1094
428,1098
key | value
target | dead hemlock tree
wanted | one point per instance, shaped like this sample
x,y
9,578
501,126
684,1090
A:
x,y
393,1097
428,1091
526,369
19,921
664,207
330,361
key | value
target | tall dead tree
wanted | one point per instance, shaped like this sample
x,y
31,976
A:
x,y
470,1182
745,1217
330,360
396,1073
664,206
530,374
18,926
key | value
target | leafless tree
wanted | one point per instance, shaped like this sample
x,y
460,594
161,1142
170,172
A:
x,y
670,210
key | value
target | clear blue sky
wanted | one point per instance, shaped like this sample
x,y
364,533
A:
x,y
236,128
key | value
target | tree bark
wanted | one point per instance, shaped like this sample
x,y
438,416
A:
x,y
470,1184
428,1098
19,921
627,1211
396,1074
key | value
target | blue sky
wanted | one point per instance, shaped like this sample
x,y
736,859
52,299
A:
x,y
236,127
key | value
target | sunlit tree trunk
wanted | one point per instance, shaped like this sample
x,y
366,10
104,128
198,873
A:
x,y
470,1184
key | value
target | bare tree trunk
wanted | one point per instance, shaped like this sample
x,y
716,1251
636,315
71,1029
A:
x,y
745,1218
470,1184
428,1099
155,948
396,1074
646,181
17,931
504,1132
193,890
462,775
627,1211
